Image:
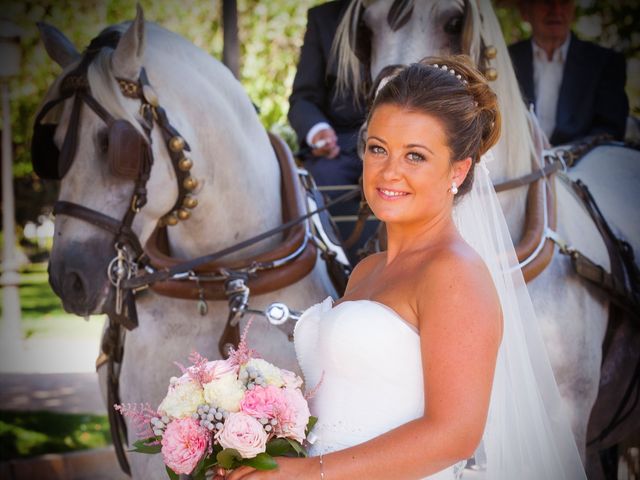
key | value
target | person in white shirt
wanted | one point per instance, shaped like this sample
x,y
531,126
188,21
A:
x,y
576,87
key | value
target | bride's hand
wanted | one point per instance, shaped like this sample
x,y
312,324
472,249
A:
x,y
288,468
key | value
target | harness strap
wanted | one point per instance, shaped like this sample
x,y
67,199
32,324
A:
x,y
112,346
530,177
190,265
99,220
622,284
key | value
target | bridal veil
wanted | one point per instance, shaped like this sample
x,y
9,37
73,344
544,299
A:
x,y
527,435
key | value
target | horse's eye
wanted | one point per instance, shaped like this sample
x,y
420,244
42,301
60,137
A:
x,y
103,141
454,25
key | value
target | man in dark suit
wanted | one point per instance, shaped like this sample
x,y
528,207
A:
x,y
577,87
327,124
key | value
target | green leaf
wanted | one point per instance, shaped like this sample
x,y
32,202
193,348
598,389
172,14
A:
x,y
297,447
172,475
203,465
262,461
279,447
228,458
310,424
141,446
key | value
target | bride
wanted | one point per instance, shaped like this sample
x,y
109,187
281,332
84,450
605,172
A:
x,y
433,350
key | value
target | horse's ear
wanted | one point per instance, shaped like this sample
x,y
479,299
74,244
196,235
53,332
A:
x,y
58,47
127,58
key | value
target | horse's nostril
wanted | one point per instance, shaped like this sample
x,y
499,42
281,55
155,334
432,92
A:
x,y
77,283
74,287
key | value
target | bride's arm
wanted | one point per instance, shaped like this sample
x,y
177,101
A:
x,y
460,330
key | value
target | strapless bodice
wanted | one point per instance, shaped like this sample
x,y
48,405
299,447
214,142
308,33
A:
x,y
364,361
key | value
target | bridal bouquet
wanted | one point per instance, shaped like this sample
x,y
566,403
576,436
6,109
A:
x,y
226,413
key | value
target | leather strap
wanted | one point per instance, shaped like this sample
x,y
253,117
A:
x,y
99,220
296,237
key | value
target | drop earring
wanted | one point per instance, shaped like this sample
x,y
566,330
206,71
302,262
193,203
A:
x,y
454,188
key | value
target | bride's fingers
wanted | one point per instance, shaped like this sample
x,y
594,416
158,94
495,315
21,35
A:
x,y
240,473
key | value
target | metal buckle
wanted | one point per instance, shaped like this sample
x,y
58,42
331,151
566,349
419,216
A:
x,y
236,290
120,268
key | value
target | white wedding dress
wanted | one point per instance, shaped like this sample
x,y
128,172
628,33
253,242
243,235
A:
x,y
366,360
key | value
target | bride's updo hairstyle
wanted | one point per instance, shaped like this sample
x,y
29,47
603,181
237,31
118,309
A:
x,y
453,91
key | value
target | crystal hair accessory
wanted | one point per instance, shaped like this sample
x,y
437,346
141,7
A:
x,y
452,72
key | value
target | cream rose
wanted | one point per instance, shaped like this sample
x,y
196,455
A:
x,y
271,373
182,399
244,433
225,392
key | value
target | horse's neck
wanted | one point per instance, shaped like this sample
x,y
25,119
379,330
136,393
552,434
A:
x,y
505,166
239,179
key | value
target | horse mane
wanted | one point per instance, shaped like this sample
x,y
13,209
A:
x,y
348,75
481,28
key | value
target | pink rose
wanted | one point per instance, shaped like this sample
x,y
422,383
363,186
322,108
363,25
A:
x,y
217,368
184,443
293,417
243,433
291,380
263,402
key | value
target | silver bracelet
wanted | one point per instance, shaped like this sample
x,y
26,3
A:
x,y
321,468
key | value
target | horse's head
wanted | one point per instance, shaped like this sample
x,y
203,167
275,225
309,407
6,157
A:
x,y
93,138
378,33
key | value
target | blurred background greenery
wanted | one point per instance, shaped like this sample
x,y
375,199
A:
x,y
270,35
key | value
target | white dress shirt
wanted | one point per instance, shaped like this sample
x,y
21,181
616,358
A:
x,y
547,78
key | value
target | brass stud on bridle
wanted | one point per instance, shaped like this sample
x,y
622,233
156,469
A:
x,y
185,164
490,52
491,74
190,202
190,183
183,214
170,219
176,143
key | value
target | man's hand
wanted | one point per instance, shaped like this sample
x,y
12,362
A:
x,y
324,144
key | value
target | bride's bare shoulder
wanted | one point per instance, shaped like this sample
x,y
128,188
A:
x,y
365,267
456,279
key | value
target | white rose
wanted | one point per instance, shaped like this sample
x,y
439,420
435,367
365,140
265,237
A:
x,y
269,372
225,392
182,399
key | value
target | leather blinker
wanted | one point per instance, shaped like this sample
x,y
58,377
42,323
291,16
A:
x,y
126,150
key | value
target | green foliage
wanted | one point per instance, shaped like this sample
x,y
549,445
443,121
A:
x,y
26,434
228,458
149,446
610,23
271,35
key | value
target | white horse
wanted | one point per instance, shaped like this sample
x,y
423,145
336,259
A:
x,y
572,315
239,196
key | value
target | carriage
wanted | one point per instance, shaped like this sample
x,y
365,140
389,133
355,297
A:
x,y
157,190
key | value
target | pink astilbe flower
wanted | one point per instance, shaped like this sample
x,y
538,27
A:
x,y
243,353
203,371
312,393
184,443
140,415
